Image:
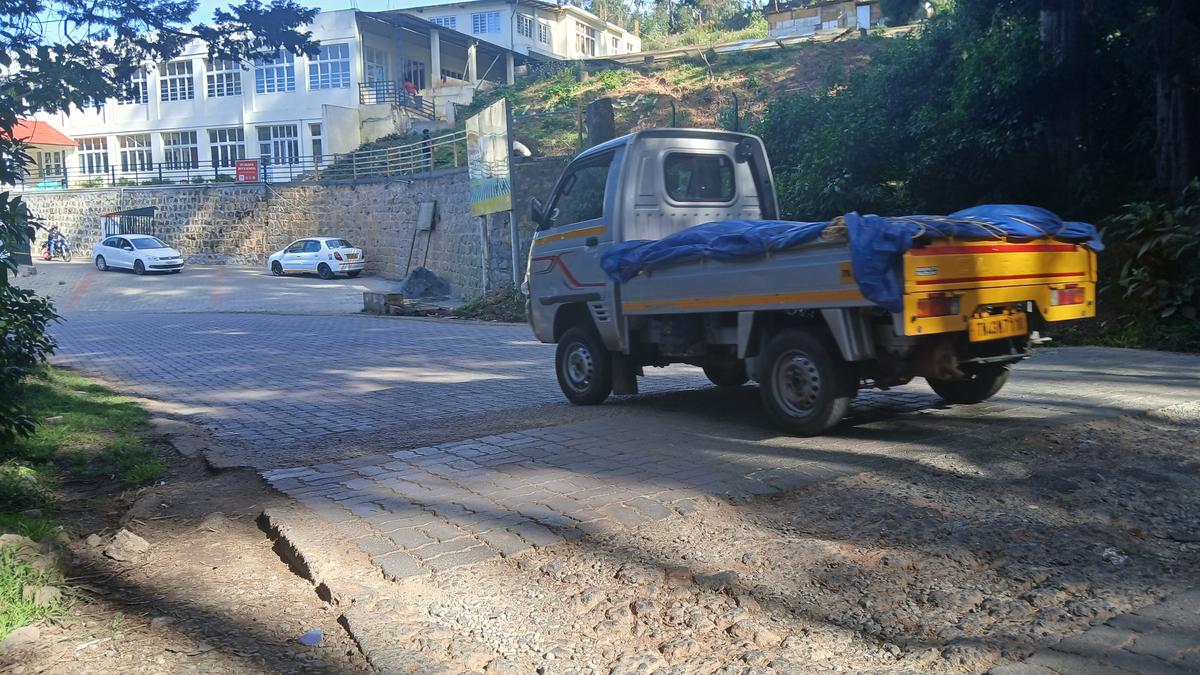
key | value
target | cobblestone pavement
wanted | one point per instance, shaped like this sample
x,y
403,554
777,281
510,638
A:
x,y
279,382
1163,638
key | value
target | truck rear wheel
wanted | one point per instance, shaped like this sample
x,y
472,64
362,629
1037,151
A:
x,y
726,374
584,367
805,388
980,384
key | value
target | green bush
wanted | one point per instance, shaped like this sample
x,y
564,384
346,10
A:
x,y
1160,244
614,79
506,303
24,346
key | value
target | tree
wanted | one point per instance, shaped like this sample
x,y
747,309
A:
x,y
56,55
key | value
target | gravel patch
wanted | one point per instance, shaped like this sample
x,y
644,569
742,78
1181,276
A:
x,y
955,561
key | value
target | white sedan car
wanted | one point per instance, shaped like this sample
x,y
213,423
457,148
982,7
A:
x,y
138,252
326,256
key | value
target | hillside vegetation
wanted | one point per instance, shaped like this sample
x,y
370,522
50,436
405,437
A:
x,y
546,108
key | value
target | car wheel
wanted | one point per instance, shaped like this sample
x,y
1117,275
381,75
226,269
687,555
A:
x,y
979,385
354,274
805,388
584,367
101,264
277,269
139,267
324,272
726,374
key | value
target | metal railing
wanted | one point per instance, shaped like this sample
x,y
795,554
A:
x,y
437,153
390,91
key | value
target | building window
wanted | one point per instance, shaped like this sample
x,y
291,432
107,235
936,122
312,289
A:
x,y
454,74
93,155
485,22
135,91
414,71
275,73
180,150
525,26
227,145
224,78
616,45
279,144
318,149
175,81
585,39
544,33
52,162
377,64
450,22
629,46
331,68
135,153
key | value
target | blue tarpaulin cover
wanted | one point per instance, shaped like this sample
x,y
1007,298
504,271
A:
x,y
877,243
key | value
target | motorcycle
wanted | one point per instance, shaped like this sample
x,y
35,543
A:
x,y
61,248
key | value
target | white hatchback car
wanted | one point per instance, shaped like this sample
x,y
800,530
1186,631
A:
x,y
326,256
138,252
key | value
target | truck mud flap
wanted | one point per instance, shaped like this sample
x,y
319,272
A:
x,y
624,375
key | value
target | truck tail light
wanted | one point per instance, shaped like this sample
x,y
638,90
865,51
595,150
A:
x,y
337,256
1071,294
937,305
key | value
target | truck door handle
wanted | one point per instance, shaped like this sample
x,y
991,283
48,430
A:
x,y
591,241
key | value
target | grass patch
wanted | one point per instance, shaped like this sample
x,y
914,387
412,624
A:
x,y
95,435
502,304
37,528
23,487
85,432
15,576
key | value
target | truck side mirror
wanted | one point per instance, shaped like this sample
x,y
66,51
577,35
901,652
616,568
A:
x,y
537,213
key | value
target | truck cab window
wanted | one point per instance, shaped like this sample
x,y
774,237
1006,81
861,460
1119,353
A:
x,y
580,195
698,178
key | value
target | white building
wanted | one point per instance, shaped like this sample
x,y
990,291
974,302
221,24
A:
x,y
191,118
531,27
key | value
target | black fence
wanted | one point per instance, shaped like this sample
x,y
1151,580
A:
x,y
390,91
438,152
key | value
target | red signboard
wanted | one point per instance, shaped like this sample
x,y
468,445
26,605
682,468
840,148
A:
x,y
246,170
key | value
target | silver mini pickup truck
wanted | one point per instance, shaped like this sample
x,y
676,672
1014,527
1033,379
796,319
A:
x,y
795,321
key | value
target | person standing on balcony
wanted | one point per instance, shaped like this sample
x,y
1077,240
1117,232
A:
x,y
410,91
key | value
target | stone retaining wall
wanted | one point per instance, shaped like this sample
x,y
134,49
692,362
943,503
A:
x,y
243,224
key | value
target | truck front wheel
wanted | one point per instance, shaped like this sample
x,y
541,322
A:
x,y
804,387
584,367
980,384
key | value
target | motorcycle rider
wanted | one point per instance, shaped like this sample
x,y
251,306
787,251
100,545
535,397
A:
x,y
55,239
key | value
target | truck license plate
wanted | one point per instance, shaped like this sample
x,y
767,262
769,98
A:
x,y
996,326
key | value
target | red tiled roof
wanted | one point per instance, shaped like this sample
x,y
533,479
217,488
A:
x,y
35,132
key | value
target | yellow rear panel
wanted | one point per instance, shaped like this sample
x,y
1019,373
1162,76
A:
x,y
996,273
